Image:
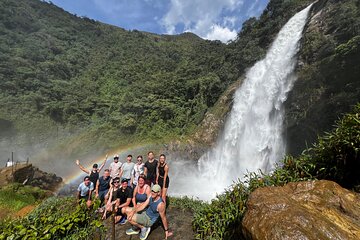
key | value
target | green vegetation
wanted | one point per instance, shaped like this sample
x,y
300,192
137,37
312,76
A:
x,y
15,196
61,74
335,157
55,218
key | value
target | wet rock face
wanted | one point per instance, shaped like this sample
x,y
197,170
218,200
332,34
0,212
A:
x,y
303,210
31,175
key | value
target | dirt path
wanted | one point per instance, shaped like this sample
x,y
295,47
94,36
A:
x,y
179,224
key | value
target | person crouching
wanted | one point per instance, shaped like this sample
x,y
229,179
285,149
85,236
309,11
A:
x,y
84,191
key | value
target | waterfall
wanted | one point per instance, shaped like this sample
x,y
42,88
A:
x,y
252,138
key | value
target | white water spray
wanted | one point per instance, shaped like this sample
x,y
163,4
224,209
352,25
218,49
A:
x,y
253,135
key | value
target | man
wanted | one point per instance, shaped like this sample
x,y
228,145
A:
x,y
103,185
150,169
155,207
94,172
127,170
84,191
115,167
123,199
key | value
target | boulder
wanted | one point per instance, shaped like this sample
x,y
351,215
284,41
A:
x,y
303,210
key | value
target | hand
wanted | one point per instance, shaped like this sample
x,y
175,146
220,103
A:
x,y
168,234
96,195
77,162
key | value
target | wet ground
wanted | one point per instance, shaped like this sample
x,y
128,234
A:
x,y
179,223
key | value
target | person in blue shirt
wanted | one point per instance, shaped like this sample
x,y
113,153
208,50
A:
x,y
155,208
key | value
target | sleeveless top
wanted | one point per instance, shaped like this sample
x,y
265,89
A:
x,y
104,184
94,176
151,211
151,169
141,197
162,170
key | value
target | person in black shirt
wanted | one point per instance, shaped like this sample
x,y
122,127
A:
x,y
123,199
94,172
150,169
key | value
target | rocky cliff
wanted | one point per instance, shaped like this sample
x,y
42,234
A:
x,y
303,210
328,83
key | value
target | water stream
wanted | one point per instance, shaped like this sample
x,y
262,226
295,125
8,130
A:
x,y
252,138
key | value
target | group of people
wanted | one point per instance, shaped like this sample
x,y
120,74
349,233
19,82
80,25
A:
x,y
134,192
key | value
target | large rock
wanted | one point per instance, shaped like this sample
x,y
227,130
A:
x,y
303,210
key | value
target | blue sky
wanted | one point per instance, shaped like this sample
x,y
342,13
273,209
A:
x,y
209,19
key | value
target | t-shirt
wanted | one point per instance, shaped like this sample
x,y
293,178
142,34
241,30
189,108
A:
x,y
151,169
124,194
115,169
138,169
127,168
84,190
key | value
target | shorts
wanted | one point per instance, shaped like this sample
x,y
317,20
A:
x,y
161,182
143,219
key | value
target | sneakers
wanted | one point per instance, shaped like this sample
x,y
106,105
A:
x,y
144,233
131,231
122,220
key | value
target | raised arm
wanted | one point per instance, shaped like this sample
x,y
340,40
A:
x,y
103,164
81,167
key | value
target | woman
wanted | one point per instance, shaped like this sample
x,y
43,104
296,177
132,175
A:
x,y
141,192
162,177
138,170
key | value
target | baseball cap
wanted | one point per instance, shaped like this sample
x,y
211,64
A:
x,y
156,188
124,180
116,156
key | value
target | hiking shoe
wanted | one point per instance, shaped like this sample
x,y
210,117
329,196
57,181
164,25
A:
x,y
131,231
123,220
144,233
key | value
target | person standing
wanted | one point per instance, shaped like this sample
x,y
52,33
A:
x,y
150,169
115,167
162,177
94,172
138,170
127,170
84,191
103,185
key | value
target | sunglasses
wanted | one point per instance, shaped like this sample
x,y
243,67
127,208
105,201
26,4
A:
x,y
116,181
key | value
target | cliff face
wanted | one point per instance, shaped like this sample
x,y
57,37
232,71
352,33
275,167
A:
x,y
328,83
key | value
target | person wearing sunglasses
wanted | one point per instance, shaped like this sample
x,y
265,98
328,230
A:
x,y
153,207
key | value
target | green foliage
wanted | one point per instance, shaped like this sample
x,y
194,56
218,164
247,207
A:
x,y
187,203
55,218
16,196
222,217
337,154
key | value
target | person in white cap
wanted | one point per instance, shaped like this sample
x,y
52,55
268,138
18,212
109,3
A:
x,y
115,167
155,208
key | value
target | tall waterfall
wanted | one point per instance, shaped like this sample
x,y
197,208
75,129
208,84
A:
x,y
253,134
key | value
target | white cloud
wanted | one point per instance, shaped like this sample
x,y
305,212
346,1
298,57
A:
x,y
203,18
223,34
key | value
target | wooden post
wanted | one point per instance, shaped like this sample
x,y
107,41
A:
x,y
113,222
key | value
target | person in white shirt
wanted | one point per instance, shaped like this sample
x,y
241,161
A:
x,y
115,167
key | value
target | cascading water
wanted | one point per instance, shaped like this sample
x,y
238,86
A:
x,y
253,135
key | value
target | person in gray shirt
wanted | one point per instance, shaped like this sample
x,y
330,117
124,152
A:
x,y
127,170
